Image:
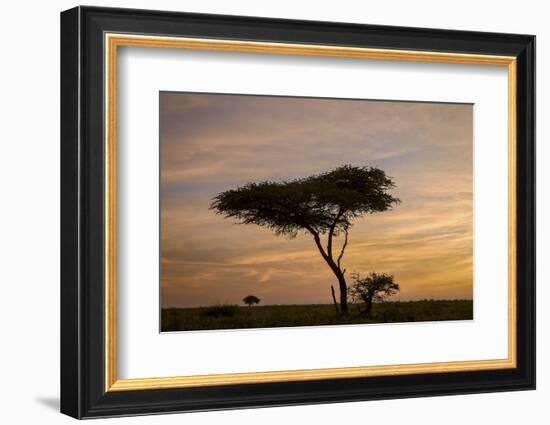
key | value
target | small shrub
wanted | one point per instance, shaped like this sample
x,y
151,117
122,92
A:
x,y
376,287
251,299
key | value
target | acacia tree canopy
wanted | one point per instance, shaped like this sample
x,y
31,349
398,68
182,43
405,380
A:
x,y
321,204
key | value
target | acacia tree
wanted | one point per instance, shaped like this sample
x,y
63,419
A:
x,y
374,287
251,299
323,205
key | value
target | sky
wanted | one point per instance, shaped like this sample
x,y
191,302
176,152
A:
x,y
215,142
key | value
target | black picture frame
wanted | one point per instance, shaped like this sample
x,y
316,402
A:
x,y
83,392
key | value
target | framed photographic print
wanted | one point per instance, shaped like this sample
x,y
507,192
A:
x,y
261,212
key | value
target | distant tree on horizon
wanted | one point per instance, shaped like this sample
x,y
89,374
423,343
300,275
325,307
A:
x,y
318,205
251,299
375,287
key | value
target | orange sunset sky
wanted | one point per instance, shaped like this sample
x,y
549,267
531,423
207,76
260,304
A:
x,y
211,143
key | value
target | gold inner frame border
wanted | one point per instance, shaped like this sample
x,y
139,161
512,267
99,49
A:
x,y
111,43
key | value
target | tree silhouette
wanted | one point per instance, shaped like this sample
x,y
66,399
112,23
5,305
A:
x,y
319,205
251,299
374,287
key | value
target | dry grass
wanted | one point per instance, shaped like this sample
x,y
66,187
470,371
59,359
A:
x,y
269,316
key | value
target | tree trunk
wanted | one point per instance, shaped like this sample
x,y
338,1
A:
x,y
342,285
368,307
343,291
334,299
336,270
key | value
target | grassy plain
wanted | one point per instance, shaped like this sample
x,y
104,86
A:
x,y
269,316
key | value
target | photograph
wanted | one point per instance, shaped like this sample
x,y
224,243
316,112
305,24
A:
x,y
281,211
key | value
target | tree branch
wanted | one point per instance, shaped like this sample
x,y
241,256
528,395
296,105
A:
x,y
328,259
317,240
343,248
331,231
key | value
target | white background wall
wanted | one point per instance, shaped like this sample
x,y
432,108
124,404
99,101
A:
x,y
29,224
